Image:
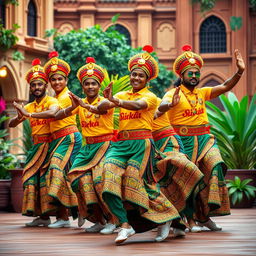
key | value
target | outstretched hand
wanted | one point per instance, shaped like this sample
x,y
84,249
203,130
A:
x,y
239,61
108,92
20,110
175,98
76,101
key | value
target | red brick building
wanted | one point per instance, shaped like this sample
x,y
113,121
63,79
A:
x,y
168,25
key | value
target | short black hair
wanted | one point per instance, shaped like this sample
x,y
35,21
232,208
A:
x,y
177,82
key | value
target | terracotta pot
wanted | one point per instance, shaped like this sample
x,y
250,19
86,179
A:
x,y
5,194
16,189
245,203
242,174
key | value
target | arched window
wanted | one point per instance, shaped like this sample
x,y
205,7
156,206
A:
x,y
32,19
213,36
215,101
2,13
123,30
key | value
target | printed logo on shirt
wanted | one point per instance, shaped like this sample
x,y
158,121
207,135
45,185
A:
x,y
128,116
90,124
191,112
38,122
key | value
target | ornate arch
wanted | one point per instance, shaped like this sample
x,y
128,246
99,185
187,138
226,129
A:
x,y
130,30
9,84
65,28
217,76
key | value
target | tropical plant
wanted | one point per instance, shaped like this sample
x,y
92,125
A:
x,y
238,189
235,130
111,51
7,160
27,137
119,84
7,37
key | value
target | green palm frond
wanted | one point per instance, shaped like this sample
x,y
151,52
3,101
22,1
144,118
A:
x,y
119,84
235,130
27,137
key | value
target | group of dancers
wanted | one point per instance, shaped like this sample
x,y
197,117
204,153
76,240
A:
x,y
161,169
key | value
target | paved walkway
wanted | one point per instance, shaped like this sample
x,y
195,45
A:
x,y
237,238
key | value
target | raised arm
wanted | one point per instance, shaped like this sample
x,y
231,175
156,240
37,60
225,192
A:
x,y
91,108
41,115
165,105
127,104
231,82
17,119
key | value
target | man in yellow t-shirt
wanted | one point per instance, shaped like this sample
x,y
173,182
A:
x,y
65,144
186,109
32,205
97,130
178,176
130,189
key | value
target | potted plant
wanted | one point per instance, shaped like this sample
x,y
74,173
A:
x,y
241,193
235,131
16,173
7,162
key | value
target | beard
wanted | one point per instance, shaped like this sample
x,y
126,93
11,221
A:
x,y
38,96
189,83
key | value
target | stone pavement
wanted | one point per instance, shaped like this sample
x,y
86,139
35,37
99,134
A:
x,y
237,238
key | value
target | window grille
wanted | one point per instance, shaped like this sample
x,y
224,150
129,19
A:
x,y
32,19
213,36
123,30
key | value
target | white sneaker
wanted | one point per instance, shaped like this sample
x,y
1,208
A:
x,y
108,229
211,225
96,228
163,232
178,232
195,229
123,234
59,223
38,222
81,221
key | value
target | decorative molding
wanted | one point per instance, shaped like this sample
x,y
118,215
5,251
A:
x,y
166,37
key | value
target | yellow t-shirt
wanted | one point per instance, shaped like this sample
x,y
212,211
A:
x,y
64,101
40,126
137,119
191,108
94,124
162,121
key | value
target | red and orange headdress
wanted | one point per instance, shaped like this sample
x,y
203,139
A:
x,y
187,60
90,70
36,72
56,66
145,62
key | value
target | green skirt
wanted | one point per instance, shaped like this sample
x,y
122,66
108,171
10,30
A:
x,y
128,174
31,205
54,183
213,199
178,176
85,176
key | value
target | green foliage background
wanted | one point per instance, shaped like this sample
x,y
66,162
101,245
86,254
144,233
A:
x,y
110,50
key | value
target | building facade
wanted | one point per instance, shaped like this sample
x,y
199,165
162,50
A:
x,y
165,24
168,25
33,17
